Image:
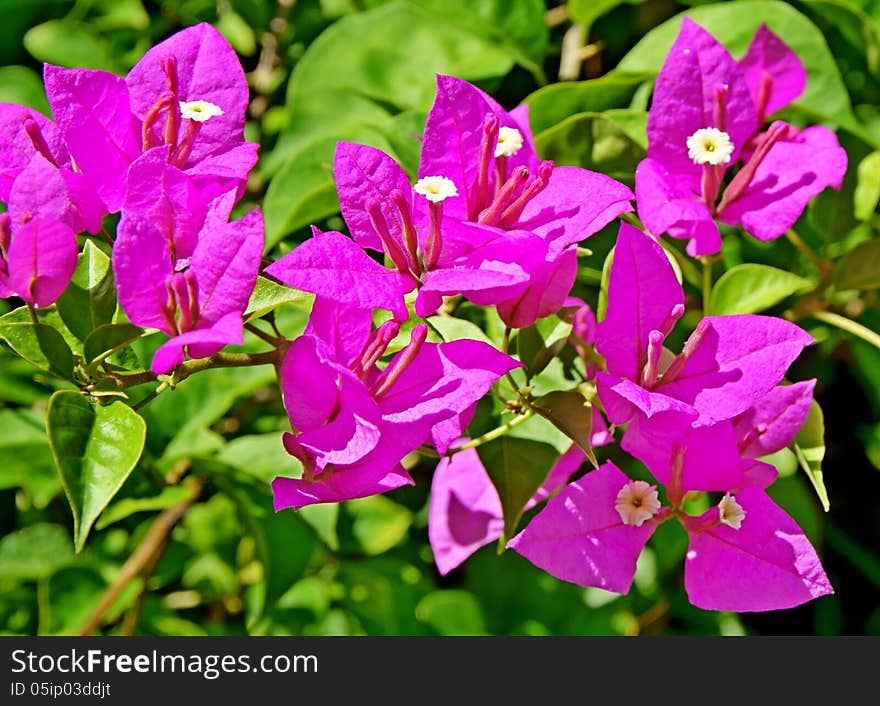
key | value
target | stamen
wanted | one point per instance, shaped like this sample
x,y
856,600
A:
x,y
410,236
434,243
765,85
375,347
732,513
166,100
652,365
751,437
180,291
738,185
392,247
393,372
674,490
513,212
184,147
5,234
690,346
674,315
637,502
505,196
719,107
487,143
37,140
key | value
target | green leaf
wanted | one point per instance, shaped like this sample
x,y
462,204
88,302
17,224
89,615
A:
x,y
379,523
39,344
322,518
109,338
35,552
69,43
602,304
454,329
867,193
21,85
95,448
860,267
452,612
517,468
25,457
260,455
269,295
550,105
172,495
592,141
750,288
588,11
809,447
90,299
734,25
569,412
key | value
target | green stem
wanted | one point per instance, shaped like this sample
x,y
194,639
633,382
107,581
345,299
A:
x,y
218,360
44,607
259,333
153,395
495,433
32,310
707,285
848,325
805,249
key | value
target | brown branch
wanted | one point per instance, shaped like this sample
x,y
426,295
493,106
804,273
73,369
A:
x,y
145,555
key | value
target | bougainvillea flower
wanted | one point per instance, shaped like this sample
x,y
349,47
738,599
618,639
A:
x,y
773,421
353,423
465,512
486,219
726,365
37,259
744,554
37,176
188,92
179,266
704,118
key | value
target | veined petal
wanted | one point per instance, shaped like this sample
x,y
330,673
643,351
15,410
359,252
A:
x,y
770,61
16,147
767,564
41,260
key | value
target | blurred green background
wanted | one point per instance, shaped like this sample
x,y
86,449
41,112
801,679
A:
x,y
363,70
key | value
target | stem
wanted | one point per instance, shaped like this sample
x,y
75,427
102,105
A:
x,y
153,395
805,249
32,310
218,360
259,333
495,433
44,606
153,542
707,285
848,325
505,340
106,237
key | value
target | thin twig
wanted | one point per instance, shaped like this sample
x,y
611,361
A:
x,y
259,333
152,543
848,325
495,433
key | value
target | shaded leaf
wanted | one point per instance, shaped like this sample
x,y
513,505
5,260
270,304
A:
x,y
39,344
452,612
569,412
109,338
379,523
517,468
860,267
90,299
35,552
809,447
867,193
172,495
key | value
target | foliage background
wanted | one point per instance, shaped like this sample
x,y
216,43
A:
x,y
362,70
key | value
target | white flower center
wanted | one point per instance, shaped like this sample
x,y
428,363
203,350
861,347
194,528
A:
x,y
435,188
708,145
200,111
637,502
731,512
510,141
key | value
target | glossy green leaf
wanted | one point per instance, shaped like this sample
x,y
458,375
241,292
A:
x,y
454,329
109,338
750,288
269,295
809,447
517,468
69,43
550,105
569,412
592,141
860,267
39,344
95,447
867,194
90,299
379,523
734,25
35,552
588,11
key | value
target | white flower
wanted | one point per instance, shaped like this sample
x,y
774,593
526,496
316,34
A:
x,y
731,512
435,188
200,111
709,145
637,502
510,141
